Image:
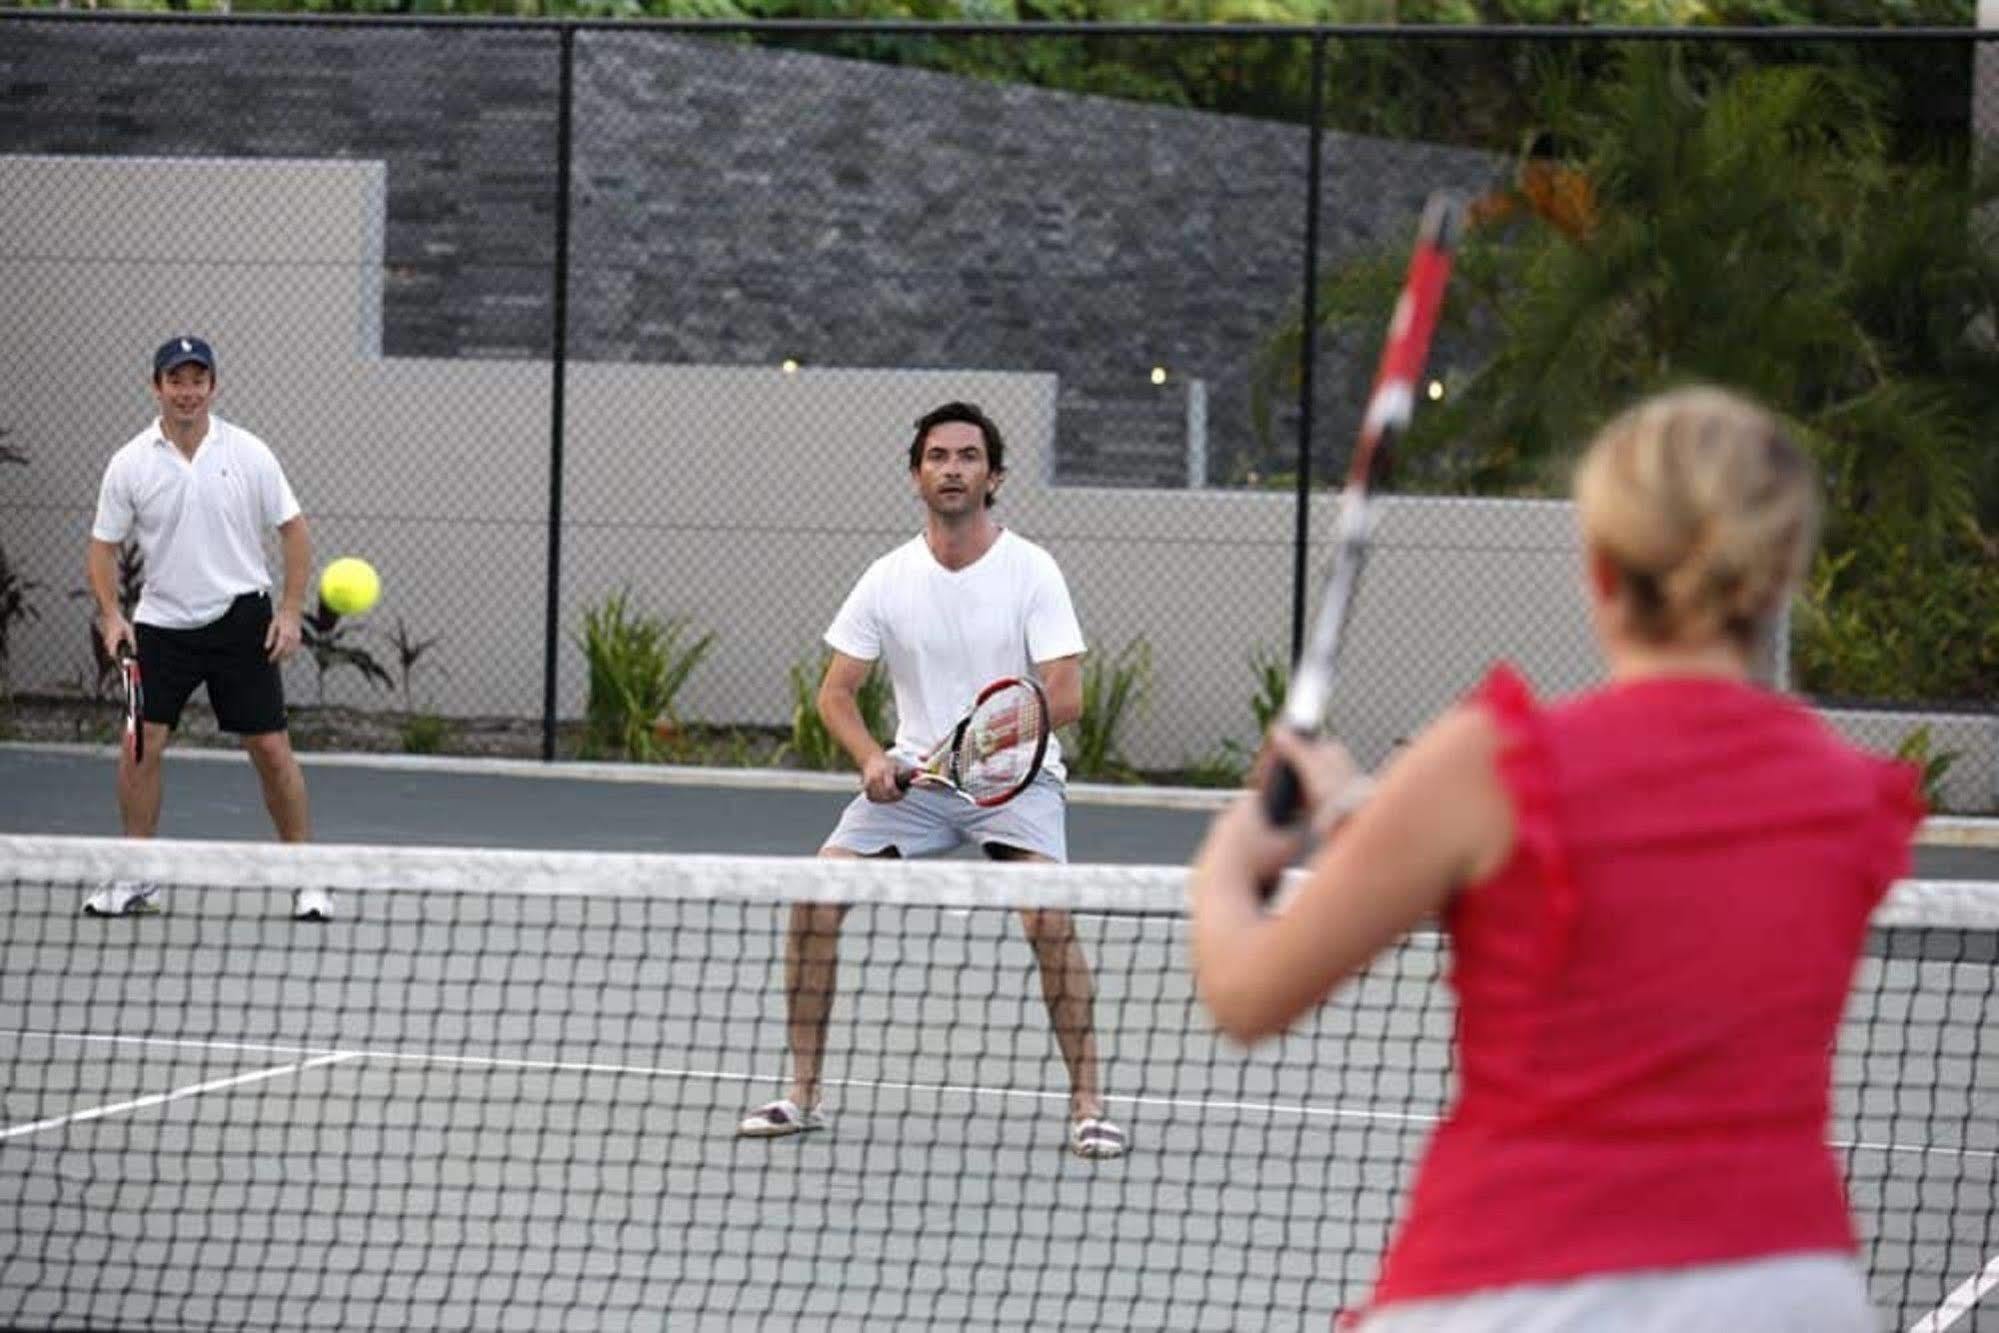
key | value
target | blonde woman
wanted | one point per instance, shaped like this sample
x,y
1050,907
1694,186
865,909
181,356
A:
x,y
1656,894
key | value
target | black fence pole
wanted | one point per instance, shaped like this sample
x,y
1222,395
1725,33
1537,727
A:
x,y
558,370
1308,352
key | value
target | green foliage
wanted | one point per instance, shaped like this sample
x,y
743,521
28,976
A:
x,y
425,733
1747,226
410,652
15,608
1475,93
1114,690
1935,767
638,664
1866,627
1228,763
1221,767
811,744
131,583
1621,13
715,747
1273,679
332,643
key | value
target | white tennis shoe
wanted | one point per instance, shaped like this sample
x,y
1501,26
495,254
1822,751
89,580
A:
x,y
774,1120
1097,1138
312,905
125,898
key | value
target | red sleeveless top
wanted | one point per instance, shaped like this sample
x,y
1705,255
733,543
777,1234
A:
x,y
1649,990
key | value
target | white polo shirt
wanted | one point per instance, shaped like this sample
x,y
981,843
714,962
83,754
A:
x,y
200,524
945,634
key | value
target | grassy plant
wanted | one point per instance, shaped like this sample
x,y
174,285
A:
x,y
1866,627
1114,690
638,665
811,744
1223,766
331,643
425,733
711,747
131,583
15,608
410,652
1273,678
1935,767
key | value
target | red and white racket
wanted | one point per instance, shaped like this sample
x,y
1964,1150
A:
x,y
994,750
1389,407
135,702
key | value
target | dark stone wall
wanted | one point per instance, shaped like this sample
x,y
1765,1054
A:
x,y
736,204
465,118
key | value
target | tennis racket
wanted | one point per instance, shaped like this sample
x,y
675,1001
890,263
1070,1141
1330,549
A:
x,y
135,702
1389,406
994,750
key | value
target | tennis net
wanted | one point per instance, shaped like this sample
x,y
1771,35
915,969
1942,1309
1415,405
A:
x,y
501,1090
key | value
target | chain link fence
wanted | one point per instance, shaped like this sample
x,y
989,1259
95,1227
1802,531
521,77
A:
x,y
580,331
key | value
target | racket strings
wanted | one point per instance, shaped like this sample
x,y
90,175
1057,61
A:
x,y
1002,741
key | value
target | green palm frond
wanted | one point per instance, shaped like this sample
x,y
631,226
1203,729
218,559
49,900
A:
x,y
1750,226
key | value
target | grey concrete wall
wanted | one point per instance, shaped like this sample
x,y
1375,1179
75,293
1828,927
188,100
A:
x,y
743,498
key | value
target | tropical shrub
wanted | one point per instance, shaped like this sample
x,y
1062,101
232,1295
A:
x,y
811,744
1747,226
638,664
1114,690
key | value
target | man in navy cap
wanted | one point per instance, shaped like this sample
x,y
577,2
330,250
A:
x,y
199,495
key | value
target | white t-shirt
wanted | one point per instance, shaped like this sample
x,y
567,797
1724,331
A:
x,y
200,524
946,634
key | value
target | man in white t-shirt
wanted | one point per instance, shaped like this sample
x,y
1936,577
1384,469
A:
x,y
199,495
965,603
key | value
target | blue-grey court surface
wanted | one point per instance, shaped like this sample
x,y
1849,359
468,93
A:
x,y
213,794
473,803
480,1111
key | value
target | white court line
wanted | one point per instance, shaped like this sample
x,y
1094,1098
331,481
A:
x,y
110,1039
1958,1304
728,1076
657,1071
161,1098
1920,1149
879,1085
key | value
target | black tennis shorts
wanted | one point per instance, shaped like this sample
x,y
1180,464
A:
x,y
228,656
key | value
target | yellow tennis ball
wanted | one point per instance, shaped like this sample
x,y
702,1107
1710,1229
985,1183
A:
x,y
349,586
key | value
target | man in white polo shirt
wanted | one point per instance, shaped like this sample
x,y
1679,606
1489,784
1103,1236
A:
x,y
964,602
199,494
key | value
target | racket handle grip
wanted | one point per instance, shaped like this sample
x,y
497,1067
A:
x,y
905,778
1282,795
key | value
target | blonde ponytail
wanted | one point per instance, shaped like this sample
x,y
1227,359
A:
x,y
1707,508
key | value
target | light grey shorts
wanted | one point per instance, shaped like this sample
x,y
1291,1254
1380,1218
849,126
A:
x,y
928,821
1789,1293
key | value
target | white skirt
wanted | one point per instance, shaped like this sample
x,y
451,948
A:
x,y
1792,1293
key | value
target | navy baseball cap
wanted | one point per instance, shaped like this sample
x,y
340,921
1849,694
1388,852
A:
x,y
183,351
